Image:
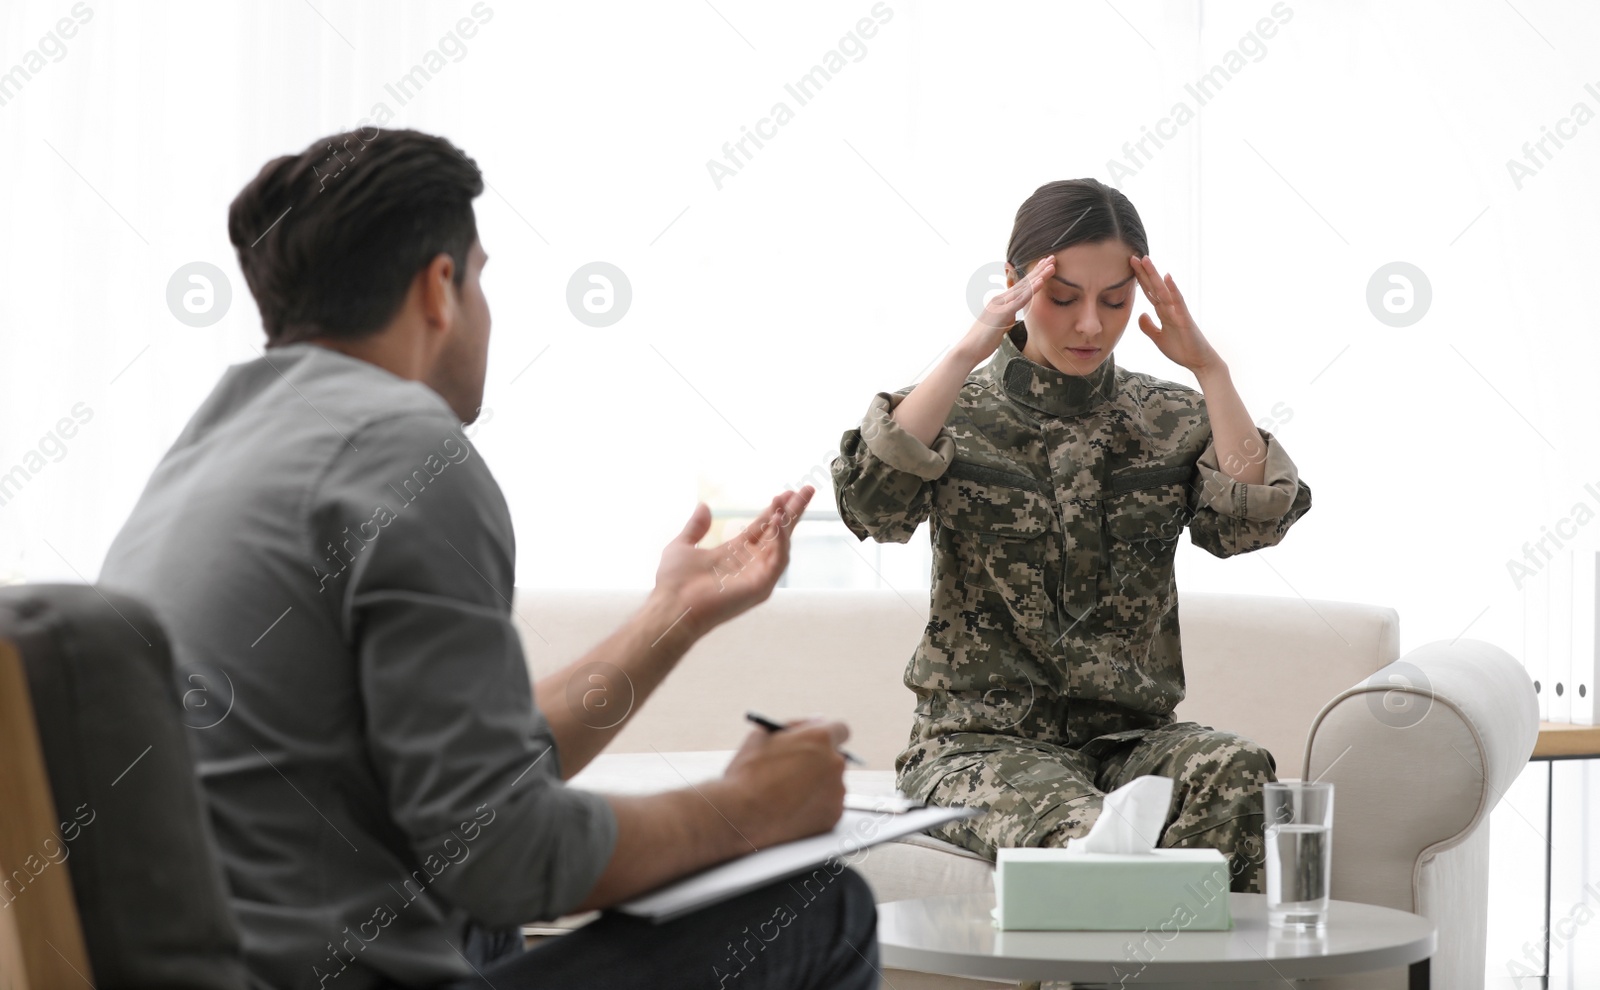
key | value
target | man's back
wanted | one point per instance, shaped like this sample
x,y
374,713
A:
x,y
334,563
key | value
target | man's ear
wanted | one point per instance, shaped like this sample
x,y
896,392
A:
x,y
439,298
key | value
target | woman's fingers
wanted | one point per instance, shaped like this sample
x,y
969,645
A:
x,y
1163,286
1146,275
1005,306
1002,309
1041,271
1161,291
1177,296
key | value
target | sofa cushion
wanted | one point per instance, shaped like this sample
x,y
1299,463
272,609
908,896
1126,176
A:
x,y
1257,665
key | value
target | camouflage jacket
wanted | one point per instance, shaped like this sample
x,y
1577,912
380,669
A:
x,y
1057,503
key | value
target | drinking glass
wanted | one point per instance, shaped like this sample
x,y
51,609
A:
x,y
1299,853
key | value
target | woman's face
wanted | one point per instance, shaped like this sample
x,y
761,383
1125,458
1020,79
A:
x,y
1079,314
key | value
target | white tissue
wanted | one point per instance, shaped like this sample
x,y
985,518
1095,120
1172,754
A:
x,y
1132,818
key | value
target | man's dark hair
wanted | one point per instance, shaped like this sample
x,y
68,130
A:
x,y
330,239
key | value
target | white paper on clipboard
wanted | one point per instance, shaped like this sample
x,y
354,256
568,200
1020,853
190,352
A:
x,y
855,831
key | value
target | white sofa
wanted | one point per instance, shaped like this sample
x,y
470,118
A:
x,y
1419,749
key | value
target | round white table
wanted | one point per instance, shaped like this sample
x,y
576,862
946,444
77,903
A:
x,y
953,935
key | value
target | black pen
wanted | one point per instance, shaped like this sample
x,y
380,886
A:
x,y
771,726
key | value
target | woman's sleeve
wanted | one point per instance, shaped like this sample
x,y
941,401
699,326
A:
x,y
883,477
1231,517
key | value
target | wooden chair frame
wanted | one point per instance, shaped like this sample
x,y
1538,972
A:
x,y
41,938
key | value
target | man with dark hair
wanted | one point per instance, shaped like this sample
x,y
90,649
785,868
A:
x,y
330,556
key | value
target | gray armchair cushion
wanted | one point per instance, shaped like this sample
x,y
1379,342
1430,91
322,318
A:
x,y
139,848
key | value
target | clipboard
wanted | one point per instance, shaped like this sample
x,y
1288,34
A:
x,y
855,831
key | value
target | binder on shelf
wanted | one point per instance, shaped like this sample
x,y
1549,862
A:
x,y
1536,636
1585,637
1560,570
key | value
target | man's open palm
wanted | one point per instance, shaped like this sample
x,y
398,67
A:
x,y
714,584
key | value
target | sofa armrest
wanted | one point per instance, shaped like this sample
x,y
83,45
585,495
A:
x,y
1419,755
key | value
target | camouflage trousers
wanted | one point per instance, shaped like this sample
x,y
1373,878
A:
x,y
1041,794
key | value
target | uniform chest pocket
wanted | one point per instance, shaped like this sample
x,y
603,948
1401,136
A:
x,y
1144,516
1156,514
994,544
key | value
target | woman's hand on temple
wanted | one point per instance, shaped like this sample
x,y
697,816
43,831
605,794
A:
x,y
1000,313
1177,335
927,406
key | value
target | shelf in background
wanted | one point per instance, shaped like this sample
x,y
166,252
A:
x,y
1557,739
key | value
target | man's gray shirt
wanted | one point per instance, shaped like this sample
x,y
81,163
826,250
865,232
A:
x,y
334,564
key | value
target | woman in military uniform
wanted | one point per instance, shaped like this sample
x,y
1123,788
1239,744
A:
x,y
1058,484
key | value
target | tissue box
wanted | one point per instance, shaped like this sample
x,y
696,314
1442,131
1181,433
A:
x,y
1064,890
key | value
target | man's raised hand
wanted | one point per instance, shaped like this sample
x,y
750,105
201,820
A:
x,y
712,585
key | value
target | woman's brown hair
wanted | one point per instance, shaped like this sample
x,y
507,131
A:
x,y
1072,211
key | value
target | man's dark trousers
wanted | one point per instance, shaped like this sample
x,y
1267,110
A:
x,y
788,935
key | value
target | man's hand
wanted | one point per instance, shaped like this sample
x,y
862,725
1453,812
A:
x,y
780,786
695,591
791,783
707,587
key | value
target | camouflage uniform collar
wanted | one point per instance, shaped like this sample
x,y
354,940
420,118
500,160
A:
x,y
1043,388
